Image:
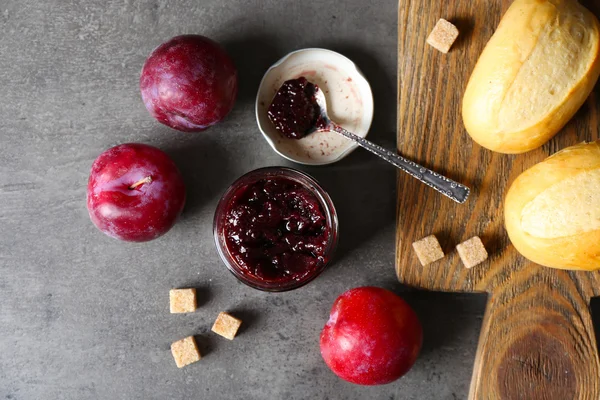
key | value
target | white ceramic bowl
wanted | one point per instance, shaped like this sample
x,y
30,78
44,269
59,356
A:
x,y
349,103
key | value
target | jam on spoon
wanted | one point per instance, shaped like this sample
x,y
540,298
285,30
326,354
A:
x,y
276,230
294,110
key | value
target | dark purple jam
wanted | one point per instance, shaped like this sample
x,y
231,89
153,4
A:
x,y
276,230
294,110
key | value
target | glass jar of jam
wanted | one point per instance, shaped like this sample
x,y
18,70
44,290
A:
x,y
275,229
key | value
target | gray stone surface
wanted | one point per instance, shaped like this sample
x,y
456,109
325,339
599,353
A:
x,y
83,316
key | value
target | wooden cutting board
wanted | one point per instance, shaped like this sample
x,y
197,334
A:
x,y
537,340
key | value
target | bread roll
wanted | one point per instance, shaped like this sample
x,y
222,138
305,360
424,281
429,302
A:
x,y
534,74
552,210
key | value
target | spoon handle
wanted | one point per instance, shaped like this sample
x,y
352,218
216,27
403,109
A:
x,y
447,187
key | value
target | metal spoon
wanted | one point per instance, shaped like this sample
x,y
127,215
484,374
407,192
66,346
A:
x,y
447,187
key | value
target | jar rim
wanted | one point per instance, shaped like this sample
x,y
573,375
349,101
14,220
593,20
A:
x,y
254,176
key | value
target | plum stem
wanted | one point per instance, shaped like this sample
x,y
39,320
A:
x,y
147,179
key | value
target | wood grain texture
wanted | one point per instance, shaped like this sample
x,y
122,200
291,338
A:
x,y
537,339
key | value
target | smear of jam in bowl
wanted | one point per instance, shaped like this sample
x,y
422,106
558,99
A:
x,y
276,229
294,109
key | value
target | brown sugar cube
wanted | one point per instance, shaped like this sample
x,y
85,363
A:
x,y
226,325
472,252
182,300
443,35
185,352
428,250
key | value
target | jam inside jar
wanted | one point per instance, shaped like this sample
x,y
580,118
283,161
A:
x,y
275,229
